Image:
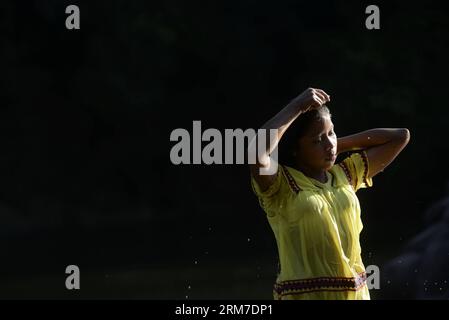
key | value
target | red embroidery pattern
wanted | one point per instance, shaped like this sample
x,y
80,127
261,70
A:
x,y
293,185
319,284
346,170
365,164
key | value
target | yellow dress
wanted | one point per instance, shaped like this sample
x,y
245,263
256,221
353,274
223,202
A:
x,y
317,227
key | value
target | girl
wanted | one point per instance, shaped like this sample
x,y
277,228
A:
x,y
311,205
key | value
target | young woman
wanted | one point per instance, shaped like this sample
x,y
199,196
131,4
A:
x,y
311,205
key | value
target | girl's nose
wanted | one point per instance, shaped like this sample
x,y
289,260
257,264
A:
x,y
328,145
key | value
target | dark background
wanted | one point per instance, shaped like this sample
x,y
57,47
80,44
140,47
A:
x,y
86,117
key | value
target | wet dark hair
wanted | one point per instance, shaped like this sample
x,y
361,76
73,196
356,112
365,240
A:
x,y
298,129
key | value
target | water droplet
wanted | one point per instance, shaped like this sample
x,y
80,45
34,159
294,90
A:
x,y
416,270
187,297
369,138
196,262
207,252
249,239
210,228
189,287
388,281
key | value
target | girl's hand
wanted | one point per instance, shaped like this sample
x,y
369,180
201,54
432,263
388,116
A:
x,y
310,99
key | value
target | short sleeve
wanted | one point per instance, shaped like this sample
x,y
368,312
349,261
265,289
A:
x,y
356,167
270,199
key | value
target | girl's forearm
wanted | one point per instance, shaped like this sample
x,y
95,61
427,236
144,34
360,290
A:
x,y
369,138
310,98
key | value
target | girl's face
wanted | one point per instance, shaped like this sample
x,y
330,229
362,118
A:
x,y
318,148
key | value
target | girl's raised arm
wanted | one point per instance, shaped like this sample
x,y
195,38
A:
x,y
382,146
309,99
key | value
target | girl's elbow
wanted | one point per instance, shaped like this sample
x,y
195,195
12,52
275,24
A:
x,y
404,135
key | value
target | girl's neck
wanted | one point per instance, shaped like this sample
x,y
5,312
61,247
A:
x,y
319,175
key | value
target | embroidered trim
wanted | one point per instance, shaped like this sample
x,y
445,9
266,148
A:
x,y
346,171
365,164
291,181
319,284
